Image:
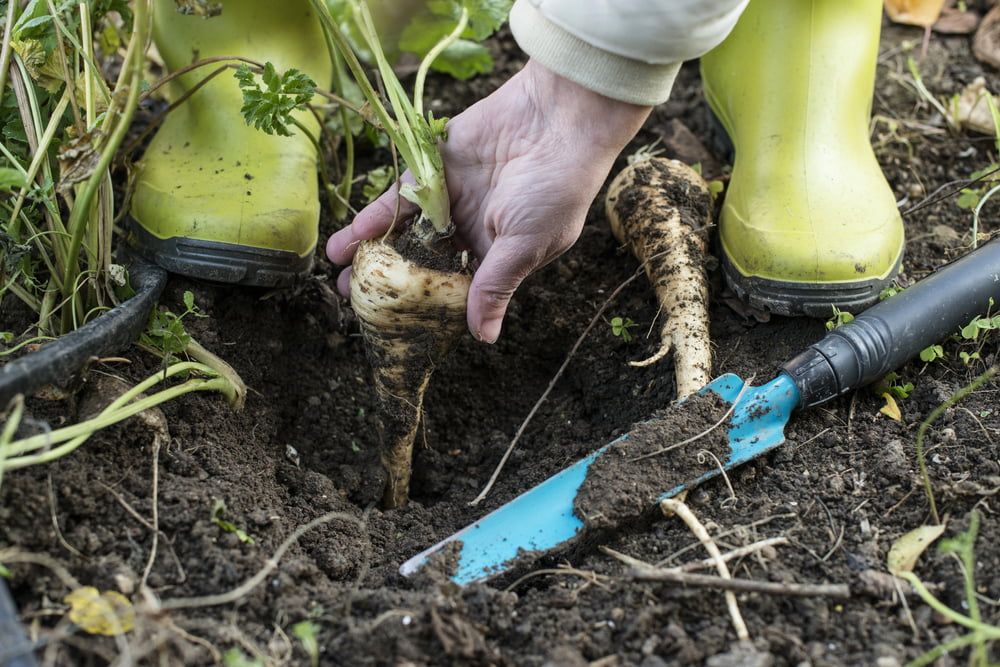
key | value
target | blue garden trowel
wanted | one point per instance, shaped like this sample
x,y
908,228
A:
x,y
542,520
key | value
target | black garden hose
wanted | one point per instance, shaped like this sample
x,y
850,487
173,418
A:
x,y
15,648
55,362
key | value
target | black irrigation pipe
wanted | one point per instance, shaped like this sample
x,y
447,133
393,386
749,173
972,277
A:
x,y
15,648
55,362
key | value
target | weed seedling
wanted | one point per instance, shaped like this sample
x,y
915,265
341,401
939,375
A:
x,y
218,510
234,657
839,319
932,353
621,328
892,389
970,333
305,632
165,332
890,291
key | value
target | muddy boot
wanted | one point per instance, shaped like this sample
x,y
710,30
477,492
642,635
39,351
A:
x,y
214,198
809,221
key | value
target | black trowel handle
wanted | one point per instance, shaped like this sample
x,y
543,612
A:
x,y
889,334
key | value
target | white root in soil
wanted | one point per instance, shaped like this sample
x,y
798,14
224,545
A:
x,y
411,316
662,210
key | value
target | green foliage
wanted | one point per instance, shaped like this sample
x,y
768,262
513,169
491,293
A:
x,y
620,327
890,291
839,319
977,332
932,353
715,188
892,384
432,23
985,178
377,181
306,632
165,331
53,199
269,108
4,572
218,510
978,325
234,657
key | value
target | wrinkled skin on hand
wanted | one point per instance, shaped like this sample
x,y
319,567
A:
x,y
523,166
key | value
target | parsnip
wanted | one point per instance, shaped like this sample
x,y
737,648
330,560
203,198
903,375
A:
x,y
410,317
662,210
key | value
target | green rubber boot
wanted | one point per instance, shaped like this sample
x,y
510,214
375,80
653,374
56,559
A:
x,y
214,198
809,221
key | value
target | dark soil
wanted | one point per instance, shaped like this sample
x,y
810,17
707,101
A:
x,y
841,490
655,457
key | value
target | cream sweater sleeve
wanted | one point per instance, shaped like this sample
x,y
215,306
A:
x,y
629,50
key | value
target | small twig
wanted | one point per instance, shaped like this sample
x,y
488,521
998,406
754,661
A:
x,y
989,438
156,513
674,506
836,545
386,615
181,573
625,558
733,554
727,533
702,457
803,444
14,555
552,383
730,585
722,419
254,581
55,522
592,577
194,639
932,198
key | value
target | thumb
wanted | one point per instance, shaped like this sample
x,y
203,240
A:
x,y
506,264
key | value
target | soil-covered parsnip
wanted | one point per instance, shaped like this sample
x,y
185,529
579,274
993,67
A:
x,y
662,210
410,288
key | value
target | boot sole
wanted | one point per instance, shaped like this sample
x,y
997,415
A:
x,y
809,299
221,262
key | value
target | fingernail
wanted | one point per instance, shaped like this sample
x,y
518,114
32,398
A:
x,y
490,331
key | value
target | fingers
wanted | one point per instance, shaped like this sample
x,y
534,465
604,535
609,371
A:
x,y
507,263
374,220
344,283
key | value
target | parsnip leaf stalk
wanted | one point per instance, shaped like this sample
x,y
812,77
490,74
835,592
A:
x,y
410,302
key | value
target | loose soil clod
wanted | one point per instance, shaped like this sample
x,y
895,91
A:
x,y
625,482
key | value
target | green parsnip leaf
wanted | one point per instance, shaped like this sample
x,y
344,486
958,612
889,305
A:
x,y
486,16
270,108
464,59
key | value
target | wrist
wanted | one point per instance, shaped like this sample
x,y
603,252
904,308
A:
x,y
606,122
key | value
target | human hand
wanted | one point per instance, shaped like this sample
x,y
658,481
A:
x,y
523,166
